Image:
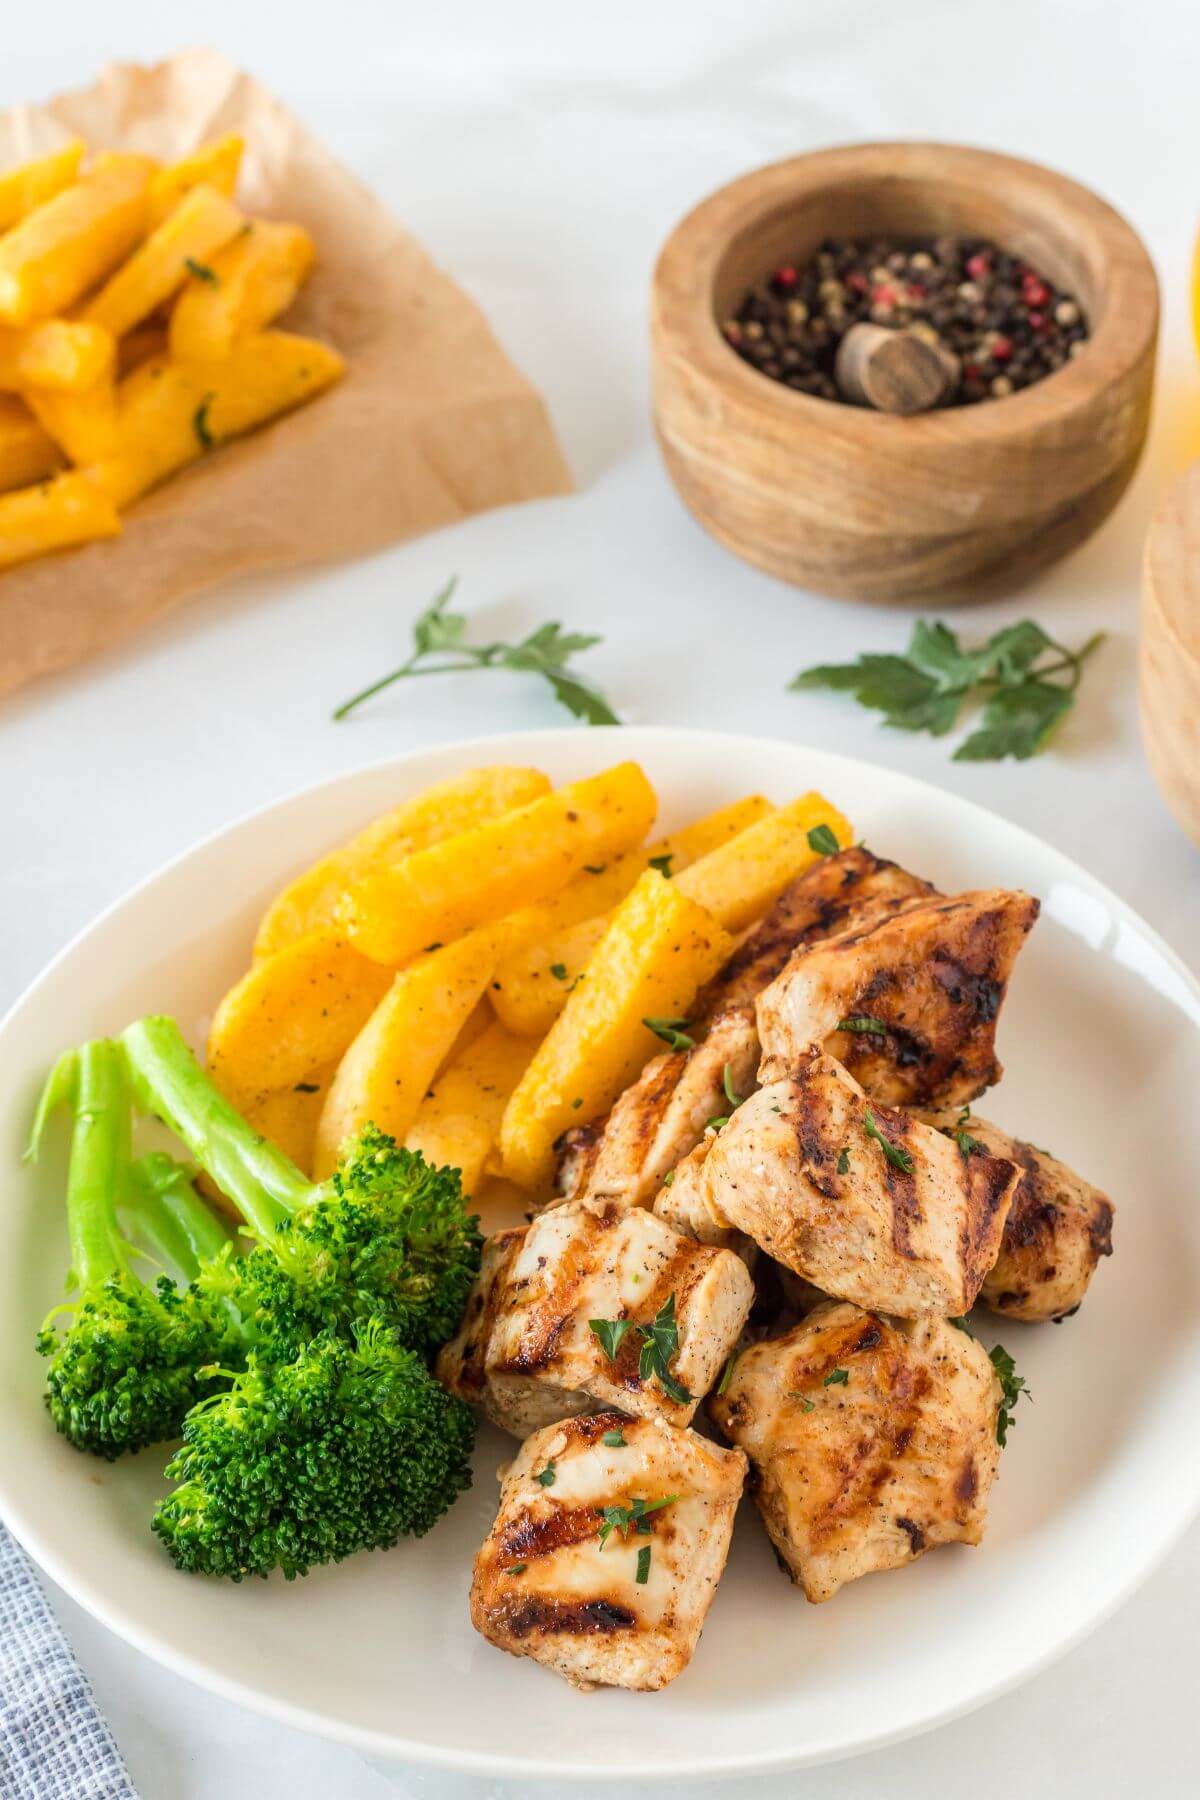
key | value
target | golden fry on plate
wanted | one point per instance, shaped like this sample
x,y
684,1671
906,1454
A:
x,y
180,247
460,1115
289,1116
27,452
65,247
63,354
169,413
32,183
290,1014
385,1073
54,515
740,881
215,164
511,862
310,902
658,950
242,288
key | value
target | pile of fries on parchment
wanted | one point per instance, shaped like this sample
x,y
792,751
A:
x,y
133,301
474,971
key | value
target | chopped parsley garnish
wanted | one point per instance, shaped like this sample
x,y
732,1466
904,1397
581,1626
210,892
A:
x,y
594,868
1012,1387
898,1157
659,1341
864,1024
1026,680
735,1100
577,1103
201,271
559,971
663,864
631,1518
967,1145
547,1477
668,1178
440,634
516,1568
837,1378
200,422
614,1440
643,1565
843,1163
307,1087
803,1401
727,1371
822,841
673,1033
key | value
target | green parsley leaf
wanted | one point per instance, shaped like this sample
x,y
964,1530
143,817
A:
x,y
577,1103
864,1024
200,422
1012,1387
727,1371
438,632
662,864
843,1163
672,1032
643,1566
968,1146
837,1378
559,971
614,1440
668,1178
960,1324
594,868
659,1349
306,1087
896,1155
803,1401
630,1518
516,1568
547,1476
715,1124
201,271
610,1332
1025,679
822,841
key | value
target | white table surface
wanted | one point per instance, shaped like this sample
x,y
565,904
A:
x,y
542,153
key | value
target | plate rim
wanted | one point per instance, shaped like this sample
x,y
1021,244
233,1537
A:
x,y
423,1753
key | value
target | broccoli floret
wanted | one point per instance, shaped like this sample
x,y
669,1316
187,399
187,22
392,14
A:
x,y
124,1373
387,1234
346,1448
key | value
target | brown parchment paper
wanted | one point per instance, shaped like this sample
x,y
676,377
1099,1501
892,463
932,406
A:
x,y
430,423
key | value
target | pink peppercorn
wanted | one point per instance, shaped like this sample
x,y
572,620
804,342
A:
x,y
978,266
785,277
1002,349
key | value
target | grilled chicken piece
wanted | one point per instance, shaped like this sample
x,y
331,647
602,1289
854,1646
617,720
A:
x,y
922,988
838,892
802,1168
626,1610
1058,1228
664,1113
525,1351
868,1472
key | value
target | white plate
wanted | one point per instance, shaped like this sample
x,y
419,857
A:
x,y
1100,1476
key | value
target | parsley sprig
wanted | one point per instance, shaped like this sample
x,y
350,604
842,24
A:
x,y
895,1153
1012,1385
442,634
660,1345
1026,680
673,1033
631,1518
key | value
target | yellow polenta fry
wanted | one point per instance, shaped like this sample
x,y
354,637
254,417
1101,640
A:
x,y
83,425
289,1117
481,875
385,1073
310,902
203,221
247,284
65,247
540,968
56,514
292,1013
459,1117
215,165
658,950
31,184
27,452
169,414
57,353
741,880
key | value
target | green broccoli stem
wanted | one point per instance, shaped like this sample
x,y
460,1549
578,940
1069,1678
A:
x,y
99,1159
180,1228
263,1184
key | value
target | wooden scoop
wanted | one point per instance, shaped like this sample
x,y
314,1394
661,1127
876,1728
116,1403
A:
x,y
1169,652
893,371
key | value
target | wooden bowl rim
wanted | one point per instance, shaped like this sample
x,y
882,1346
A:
x,y
685,324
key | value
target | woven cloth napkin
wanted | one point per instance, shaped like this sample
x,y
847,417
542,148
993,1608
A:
x,y
54,1745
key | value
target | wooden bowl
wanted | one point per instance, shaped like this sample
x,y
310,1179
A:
x,y
948,505
1169,686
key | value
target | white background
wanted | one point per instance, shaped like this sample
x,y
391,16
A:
x,y
542,152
